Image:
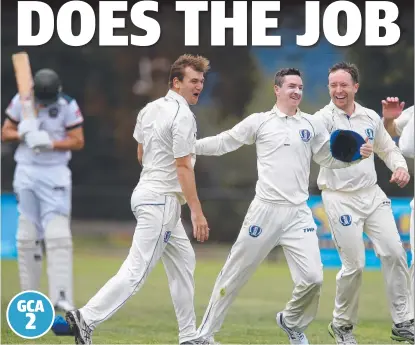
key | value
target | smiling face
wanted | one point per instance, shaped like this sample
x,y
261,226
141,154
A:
x,y
342,89
290,93
191,86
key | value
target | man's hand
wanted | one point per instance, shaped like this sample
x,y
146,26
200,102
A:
x,y
39,141
391,108
401,177
200,227
366,149
26,126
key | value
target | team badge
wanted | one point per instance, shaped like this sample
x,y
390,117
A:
x,y
254,231
345,219
370,134
53,112
305,135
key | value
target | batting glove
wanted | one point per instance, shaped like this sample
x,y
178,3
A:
x,y
39,141
27,125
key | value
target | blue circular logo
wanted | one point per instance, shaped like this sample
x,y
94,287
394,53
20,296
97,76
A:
x,y
345,219
30,314
255,230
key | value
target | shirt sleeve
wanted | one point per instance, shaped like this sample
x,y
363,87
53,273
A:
x,y
386,149
184,136
138,130
14,109
403,119
246,131
73,116
406,141
217,145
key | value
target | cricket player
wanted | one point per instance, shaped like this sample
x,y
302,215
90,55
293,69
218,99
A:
x,y
286,139
354,204
398,122
43,185
166,135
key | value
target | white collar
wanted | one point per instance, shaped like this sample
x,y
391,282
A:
x,y
173,94
279,113
358,109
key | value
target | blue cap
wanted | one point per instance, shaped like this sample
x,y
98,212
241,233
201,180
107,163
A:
x,y
348,149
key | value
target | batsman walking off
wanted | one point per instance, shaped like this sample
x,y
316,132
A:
x,y
166,135
354,203
286,140
43,185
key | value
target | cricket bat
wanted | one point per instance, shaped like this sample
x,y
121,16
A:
x,y
24,81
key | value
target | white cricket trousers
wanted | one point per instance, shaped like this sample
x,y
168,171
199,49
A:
x,y
265,226
159,234
349,214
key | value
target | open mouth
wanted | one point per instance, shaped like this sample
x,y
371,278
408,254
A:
x,y
196,94
340,97
296,98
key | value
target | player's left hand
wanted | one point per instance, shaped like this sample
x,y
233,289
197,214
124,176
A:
x,y
401,177
366,149
39,141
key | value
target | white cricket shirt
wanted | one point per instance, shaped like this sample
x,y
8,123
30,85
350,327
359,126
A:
x,y
56,119
403,119
368,124
167,130
406,141
284,146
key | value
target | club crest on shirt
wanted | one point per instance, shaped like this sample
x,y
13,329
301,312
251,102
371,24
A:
x,y
167,236
305,135
370,134
53,112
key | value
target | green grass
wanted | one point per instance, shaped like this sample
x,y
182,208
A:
x,y
148,317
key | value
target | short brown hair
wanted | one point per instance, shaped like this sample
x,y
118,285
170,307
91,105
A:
x,y
196,62
347,67
279,76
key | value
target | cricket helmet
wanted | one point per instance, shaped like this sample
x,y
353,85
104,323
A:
x,y
47,86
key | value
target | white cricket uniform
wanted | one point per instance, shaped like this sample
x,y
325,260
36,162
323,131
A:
x,y
355,203
167,130
42,181
278,215
406,143
43,187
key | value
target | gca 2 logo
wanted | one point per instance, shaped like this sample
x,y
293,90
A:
x,y
30,314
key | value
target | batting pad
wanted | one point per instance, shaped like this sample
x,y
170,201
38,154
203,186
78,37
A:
x,y
345,145
29,254
58,240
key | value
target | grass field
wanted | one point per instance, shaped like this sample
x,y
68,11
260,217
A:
x,y
148,317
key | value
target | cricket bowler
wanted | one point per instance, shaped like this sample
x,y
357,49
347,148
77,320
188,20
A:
x,y
43,184
286,140
354,203
166,135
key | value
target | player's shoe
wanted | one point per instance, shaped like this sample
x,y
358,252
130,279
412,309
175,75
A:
x,y
403,331
343,335
202,341
294,336
83,334
64,306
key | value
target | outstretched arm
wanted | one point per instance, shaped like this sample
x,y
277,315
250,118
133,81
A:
x,y
243,133
217,145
